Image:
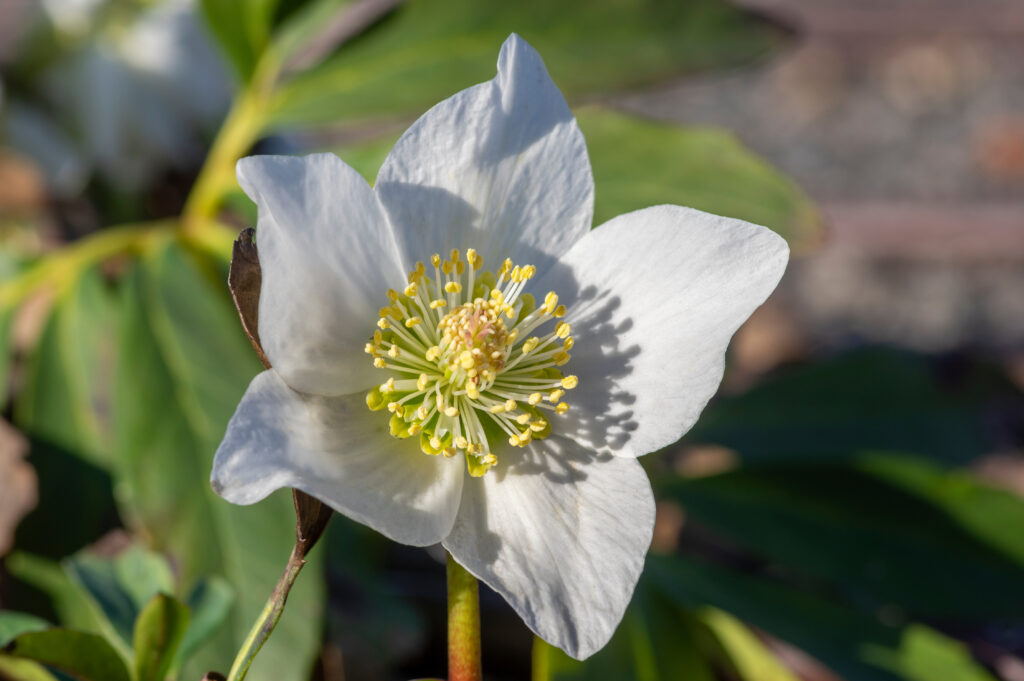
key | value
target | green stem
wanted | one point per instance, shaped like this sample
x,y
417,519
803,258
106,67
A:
x,y
540,660
463,624
265,623
240,130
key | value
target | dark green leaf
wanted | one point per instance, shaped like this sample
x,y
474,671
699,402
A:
x,y
874,399
856,645
87,657
185,364
14,623
741,651
428,51
158,632
859,534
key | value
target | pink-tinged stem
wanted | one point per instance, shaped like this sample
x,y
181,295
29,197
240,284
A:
x,y
463,625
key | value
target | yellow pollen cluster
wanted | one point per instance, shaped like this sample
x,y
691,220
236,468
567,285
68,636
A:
x,y
465,365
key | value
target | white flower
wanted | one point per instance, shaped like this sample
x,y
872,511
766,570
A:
x,y
544,503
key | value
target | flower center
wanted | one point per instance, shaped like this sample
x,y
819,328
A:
x,y
464,362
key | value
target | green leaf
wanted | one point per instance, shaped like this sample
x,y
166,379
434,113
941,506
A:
x,y
242,29
66,397
854,644
638,164
742,651
71,604
427,51
121,587
87,657
871,399
184,366
209,605
858,534
16,669
13,624
158,632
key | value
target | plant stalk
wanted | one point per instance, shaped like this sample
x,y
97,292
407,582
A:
x,y
463,624
267,620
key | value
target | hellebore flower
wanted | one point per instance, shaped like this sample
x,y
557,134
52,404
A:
x,y
458,358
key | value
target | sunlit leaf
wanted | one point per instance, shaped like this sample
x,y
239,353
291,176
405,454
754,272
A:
x,y
428,51
242,29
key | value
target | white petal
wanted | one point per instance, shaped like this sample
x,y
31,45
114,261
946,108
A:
x,y
561,533
336,450
654,297
501,167
328,258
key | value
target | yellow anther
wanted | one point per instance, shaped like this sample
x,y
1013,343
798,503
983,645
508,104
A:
x,y
510,405
535,398
395,407
370,349
433,353
466,360
529,271
435,442
562,330
559,312
530,344
440,302
377,337
411,289
514,440
473,259
454,255
497,409
413,321
384,312
497,296
415,428
461,442
379,362
555,395
453,287
388,386
570,382
446,267
451,411
523,419
422,412
449,452
561,407
472,392
393,352
550,301
538,426
383,323
460,267
435,260
515,273
568,343
560,358
392,295
422,382
489,459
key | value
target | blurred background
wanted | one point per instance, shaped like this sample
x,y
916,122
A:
x,y
848,508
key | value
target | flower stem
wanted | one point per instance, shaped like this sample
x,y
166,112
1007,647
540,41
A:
x,y
463,624
267,619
